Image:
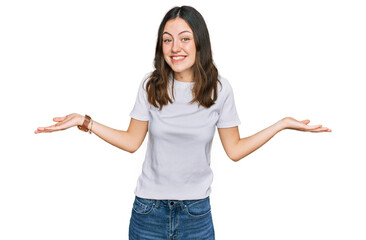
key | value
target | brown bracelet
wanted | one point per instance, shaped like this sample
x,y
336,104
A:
x,y
85,125
91,126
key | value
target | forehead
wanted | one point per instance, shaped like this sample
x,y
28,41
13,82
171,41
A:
x,y
176,25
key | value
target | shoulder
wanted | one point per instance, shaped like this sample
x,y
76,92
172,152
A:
x,y
225,86
145,80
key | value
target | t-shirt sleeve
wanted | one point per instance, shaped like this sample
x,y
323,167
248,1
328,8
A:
x,y
141,108
228,116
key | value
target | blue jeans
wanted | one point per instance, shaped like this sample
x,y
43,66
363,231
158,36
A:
x,y
171,219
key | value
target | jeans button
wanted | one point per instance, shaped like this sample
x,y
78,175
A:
x,y
171,203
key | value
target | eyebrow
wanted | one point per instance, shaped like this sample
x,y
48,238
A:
x,y
186,31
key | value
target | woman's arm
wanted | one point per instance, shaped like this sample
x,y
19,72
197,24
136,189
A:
x,y
129,140
237,148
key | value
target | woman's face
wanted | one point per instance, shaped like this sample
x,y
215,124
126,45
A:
x,y
179,48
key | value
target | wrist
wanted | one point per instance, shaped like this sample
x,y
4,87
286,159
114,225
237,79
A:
x,y
281,124
87,124
90,126
80,119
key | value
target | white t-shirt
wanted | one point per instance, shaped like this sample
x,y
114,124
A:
x,y
177,160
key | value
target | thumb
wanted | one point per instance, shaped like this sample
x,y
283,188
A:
x,y
58,119
307,121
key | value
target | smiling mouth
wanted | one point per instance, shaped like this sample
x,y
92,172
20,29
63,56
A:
x,y
177,58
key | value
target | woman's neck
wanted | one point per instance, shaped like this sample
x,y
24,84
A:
x,y
186,76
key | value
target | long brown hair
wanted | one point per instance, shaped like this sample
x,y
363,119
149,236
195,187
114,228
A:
x,y
205,74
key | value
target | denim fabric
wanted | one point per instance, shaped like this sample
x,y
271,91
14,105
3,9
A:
x,y
171,219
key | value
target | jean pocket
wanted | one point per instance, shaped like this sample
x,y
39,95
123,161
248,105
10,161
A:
x,y
198,208
143,206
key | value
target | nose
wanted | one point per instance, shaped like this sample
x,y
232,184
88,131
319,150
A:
x,y
176,46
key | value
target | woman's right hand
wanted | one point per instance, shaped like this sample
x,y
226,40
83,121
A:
x,y
63,123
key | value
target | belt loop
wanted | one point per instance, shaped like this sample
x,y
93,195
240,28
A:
x,y
157,202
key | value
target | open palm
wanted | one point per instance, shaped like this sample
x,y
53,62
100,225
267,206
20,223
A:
x,y
63,123
291,123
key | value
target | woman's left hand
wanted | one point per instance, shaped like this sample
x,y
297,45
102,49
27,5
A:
x,y
291,123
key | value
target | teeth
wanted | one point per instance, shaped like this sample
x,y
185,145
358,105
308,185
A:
x,y
177,58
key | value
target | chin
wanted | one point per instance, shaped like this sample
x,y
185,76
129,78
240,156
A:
x,y
180,69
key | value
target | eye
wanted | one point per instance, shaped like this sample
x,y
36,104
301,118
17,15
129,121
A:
x,y
185,39
167,40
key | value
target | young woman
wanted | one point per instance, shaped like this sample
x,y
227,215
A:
x,y
180,103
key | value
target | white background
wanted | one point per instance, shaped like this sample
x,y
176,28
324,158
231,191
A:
x,y
304,59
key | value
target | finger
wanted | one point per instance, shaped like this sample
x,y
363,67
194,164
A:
x,y
58,119
322,129
40,130
306,121
313,127
49,128
53,128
